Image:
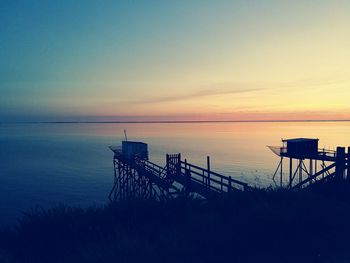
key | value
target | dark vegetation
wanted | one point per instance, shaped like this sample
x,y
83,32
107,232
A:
x,y
260,226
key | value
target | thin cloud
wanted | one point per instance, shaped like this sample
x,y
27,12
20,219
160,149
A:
x,y
243,87
321,81
198,94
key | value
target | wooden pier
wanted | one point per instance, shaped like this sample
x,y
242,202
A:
x,y
313,165
137,177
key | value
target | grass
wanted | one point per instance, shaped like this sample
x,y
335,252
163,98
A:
x,y
261,226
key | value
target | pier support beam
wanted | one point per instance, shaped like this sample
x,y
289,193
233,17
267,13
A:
x,y
281,175
229,188
300,171
348,166
208,167
290,171
340,163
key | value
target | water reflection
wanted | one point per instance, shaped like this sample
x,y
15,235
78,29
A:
x,y
51,163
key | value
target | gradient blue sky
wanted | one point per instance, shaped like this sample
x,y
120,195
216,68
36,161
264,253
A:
x,y
158,60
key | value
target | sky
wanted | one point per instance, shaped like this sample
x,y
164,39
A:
x,y
174,60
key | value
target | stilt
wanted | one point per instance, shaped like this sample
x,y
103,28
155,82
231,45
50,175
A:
x,y
340,163
290,171
348,165
208,169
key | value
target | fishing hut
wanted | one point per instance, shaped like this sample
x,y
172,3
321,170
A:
x,y
307,163
133,150
136,177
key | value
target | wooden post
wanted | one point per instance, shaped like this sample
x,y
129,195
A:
x,y
188,181
348,166
300,171
310,171
178,168
281,176
290,171
340,163
167,165
315,166
311,168
186,177
229,184
208,167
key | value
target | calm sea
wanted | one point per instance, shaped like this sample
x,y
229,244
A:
x,y
47,164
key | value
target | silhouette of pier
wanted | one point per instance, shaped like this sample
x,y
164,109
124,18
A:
x,y
308,164
137,177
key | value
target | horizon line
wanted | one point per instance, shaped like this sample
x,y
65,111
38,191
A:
x,y
173,121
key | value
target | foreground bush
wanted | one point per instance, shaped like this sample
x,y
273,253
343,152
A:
x,y
261,226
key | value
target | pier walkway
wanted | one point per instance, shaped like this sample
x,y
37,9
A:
x,y
140,178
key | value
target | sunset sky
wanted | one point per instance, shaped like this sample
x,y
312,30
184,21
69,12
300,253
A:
x,y
174,60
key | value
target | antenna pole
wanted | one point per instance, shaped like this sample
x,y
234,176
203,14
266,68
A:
x,y
126,137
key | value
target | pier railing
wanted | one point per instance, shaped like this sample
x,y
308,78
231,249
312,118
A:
x,y
322,153
135,174
177,174
323,165
210,179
